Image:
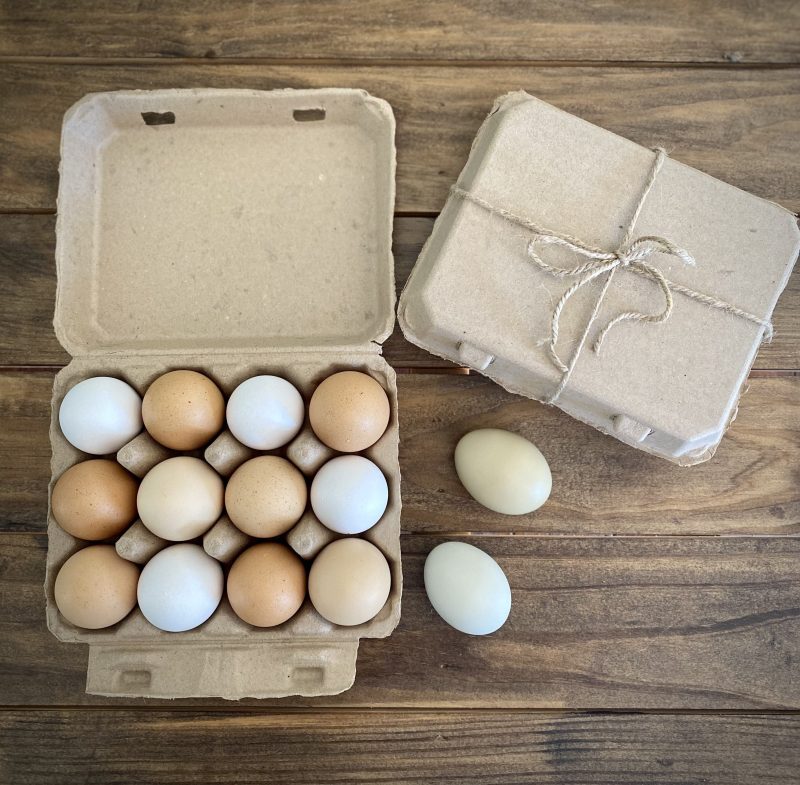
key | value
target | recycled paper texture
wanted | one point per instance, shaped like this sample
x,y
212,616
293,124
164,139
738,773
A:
x,y
555,230
233,232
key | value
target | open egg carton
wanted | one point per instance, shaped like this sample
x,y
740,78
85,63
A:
x,y
247,233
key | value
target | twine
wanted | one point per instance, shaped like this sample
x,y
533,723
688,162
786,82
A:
x,y
630,255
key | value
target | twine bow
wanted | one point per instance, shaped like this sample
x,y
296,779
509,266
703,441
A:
x,y
631,258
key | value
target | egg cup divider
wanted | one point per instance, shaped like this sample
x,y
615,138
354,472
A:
x,y
224,541
238,239
138,544
309,536
226,454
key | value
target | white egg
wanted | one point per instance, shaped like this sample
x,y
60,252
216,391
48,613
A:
x,y
503,471
349,494
180,587
467,588
265,412
100,415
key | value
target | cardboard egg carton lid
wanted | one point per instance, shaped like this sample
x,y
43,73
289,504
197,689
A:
x,y
210,220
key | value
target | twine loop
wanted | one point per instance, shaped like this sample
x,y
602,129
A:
x,y
600,262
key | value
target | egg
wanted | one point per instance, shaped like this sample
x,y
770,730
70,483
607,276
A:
x,y
96,588
101,414
180,498
349,411
95,499
183,410
180,588
266,496
266,584
349,494
503,471
349,582
467,588
265,412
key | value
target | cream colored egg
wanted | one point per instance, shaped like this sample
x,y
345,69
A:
x,y
503,471
349,581
180,498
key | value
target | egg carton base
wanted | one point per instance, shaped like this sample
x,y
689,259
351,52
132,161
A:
x,y
307,631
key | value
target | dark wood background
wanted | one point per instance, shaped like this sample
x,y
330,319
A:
x,y
655,632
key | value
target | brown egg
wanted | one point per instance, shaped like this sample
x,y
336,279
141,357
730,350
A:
x,y
266,584
349,411
349,581
183,410
96,588
94,500
266,496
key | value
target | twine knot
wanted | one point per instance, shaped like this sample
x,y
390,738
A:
x,y
631,257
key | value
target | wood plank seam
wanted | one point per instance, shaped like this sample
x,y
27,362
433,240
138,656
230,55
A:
x,y
268,710
378,62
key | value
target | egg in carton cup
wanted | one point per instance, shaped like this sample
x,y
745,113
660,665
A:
x,y
235,233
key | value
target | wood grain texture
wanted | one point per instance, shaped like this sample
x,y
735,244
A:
x,y
27,290
469,30
396,748
24,424
649,622
616,623
600,486
741,125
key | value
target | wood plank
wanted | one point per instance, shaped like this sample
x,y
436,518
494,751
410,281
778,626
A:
x,y
600,486
24,421
27,290
595,30
742,125
596,623
397,747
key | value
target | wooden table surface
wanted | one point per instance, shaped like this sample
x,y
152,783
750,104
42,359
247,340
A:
x,y
655,631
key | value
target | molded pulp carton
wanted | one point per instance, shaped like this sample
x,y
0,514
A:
x,y
234,232
657,281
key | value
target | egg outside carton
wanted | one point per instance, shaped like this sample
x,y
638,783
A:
x,y
307,654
